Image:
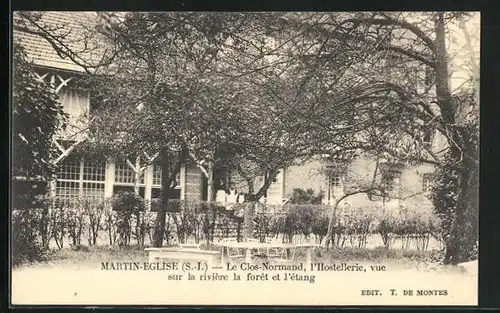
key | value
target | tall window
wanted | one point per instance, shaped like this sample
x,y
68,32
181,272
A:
x,y
68,178
79,177
392,182
156,186
427,181
157,176
336,182
335,185
124,174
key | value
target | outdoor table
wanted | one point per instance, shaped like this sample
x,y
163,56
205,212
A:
x,y
251,245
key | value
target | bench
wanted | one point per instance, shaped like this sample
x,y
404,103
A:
x,y
184,254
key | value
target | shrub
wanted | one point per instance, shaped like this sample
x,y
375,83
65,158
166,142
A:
x,y
319,227
386,226
127,201
303,219
26,244
262,226
126,204
301,196
186,221
110,226
74,213
59,219
410,224
94,211
142,226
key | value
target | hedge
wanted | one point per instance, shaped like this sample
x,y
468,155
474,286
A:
x,y
125,219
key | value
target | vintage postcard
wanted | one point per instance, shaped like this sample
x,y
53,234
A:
x,y
245,158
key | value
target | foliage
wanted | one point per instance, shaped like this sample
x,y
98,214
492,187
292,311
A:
x,y
94,212
75,221
275,87
356,224
127,205
301,196
36,117
205,221
450,199
127,201
409,225
26,244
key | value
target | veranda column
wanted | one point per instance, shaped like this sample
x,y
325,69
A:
x,y
148,181
109,179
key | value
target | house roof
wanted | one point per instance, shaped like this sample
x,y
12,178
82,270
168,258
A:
x,y
72,27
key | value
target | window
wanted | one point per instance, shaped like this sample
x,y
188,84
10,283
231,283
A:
x,y
335,185
68,178
79,177
336,182
157,176
94,170
427,181
67,190
274,189
221,178
125,174
93,190
155,193
392,182
69,168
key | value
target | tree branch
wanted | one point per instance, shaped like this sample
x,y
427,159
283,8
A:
x,y
409,53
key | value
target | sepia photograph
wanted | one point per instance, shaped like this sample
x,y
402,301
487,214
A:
x,y
244,158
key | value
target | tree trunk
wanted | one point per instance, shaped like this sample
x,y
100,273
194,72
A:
x,y
248,220
464,227
249,213
462,236
442,78
331,225
210,182
137,178
165,187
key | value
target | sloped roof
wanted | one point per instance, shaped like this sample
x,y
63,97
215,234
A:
x,y
73,27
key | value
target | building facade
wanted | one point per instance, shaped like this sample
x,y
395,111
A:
x,y
98,178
